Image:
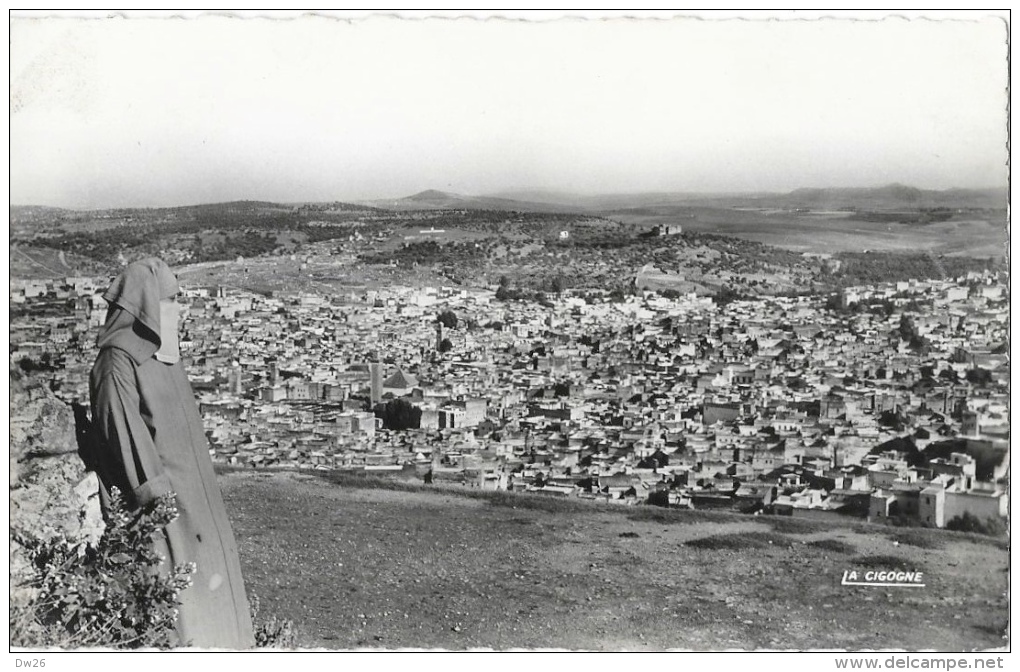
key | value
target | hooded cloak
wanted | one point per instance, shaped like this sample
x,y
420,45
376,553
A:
x,y
151,442
133,321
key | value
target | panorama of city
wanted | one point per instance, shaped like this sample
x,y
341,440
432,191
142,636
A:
x,y
882,400
649,386
644,332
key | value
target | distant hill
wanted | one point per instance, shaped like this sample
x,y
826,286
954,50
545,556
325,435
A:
x,y
42,212
29,211
606,202
29,221
545,196
433,199
897,196
888,197
891,196
891,192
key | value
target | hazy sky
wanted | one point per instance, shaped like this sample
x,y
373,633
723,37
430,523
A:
x,y
138,112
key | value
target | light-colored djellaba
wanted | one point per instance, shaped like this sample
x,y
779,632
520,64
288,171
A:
x,y
150,441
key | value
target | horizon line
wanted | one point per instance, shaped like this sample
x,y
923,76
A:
x,y
498,194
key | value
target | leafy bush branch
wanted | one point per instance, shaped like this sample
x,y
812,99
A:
x,y
109,595
114,594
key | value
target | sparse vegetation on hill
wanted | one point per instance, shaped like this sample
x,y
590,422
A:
x,y
605,258
196,241
194,233
544,252
875,267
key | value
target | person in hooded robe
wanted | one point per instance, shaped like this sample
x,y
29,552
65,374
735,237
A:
x,y
150,442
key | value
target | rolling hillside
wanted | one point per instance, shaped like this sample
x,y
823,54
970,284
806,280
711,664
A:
x,y
891,196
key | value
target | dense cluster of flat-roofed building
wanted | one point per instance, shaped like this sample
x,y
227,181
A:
x,y
780,404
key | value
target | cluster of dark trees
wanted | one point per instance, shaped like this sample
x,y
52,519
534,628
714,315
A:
x,y
46,362
871,268
968,522
979,377
876,306
908,332
602,240
448,319
236,244
507,293
339,206
398,414
727,295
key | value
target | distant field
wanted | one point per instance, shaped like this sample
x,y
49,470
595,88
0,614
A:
x,y
27,262
375,567
833,232
439,235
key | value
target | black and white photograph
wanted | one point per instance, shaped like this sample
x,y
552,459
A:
x,y
510,331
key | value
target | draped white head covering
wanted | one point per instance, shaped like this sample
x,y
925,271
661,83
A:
x,y
134,321
169,347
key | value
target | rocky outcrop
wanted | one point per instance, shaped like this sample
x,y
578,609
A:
x,y
51,493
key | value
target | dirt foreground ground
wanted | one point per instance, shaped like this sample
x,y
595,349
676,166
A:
x,y
368,567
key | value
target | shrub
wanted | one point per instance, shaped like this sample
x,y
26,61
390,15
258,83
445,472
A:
x,y
110,595
884,562
906,521
833,545
741,541
448,319
968,522
273,633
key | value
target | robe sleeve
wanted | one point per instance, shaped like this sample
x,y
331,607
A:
x,y
127,452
